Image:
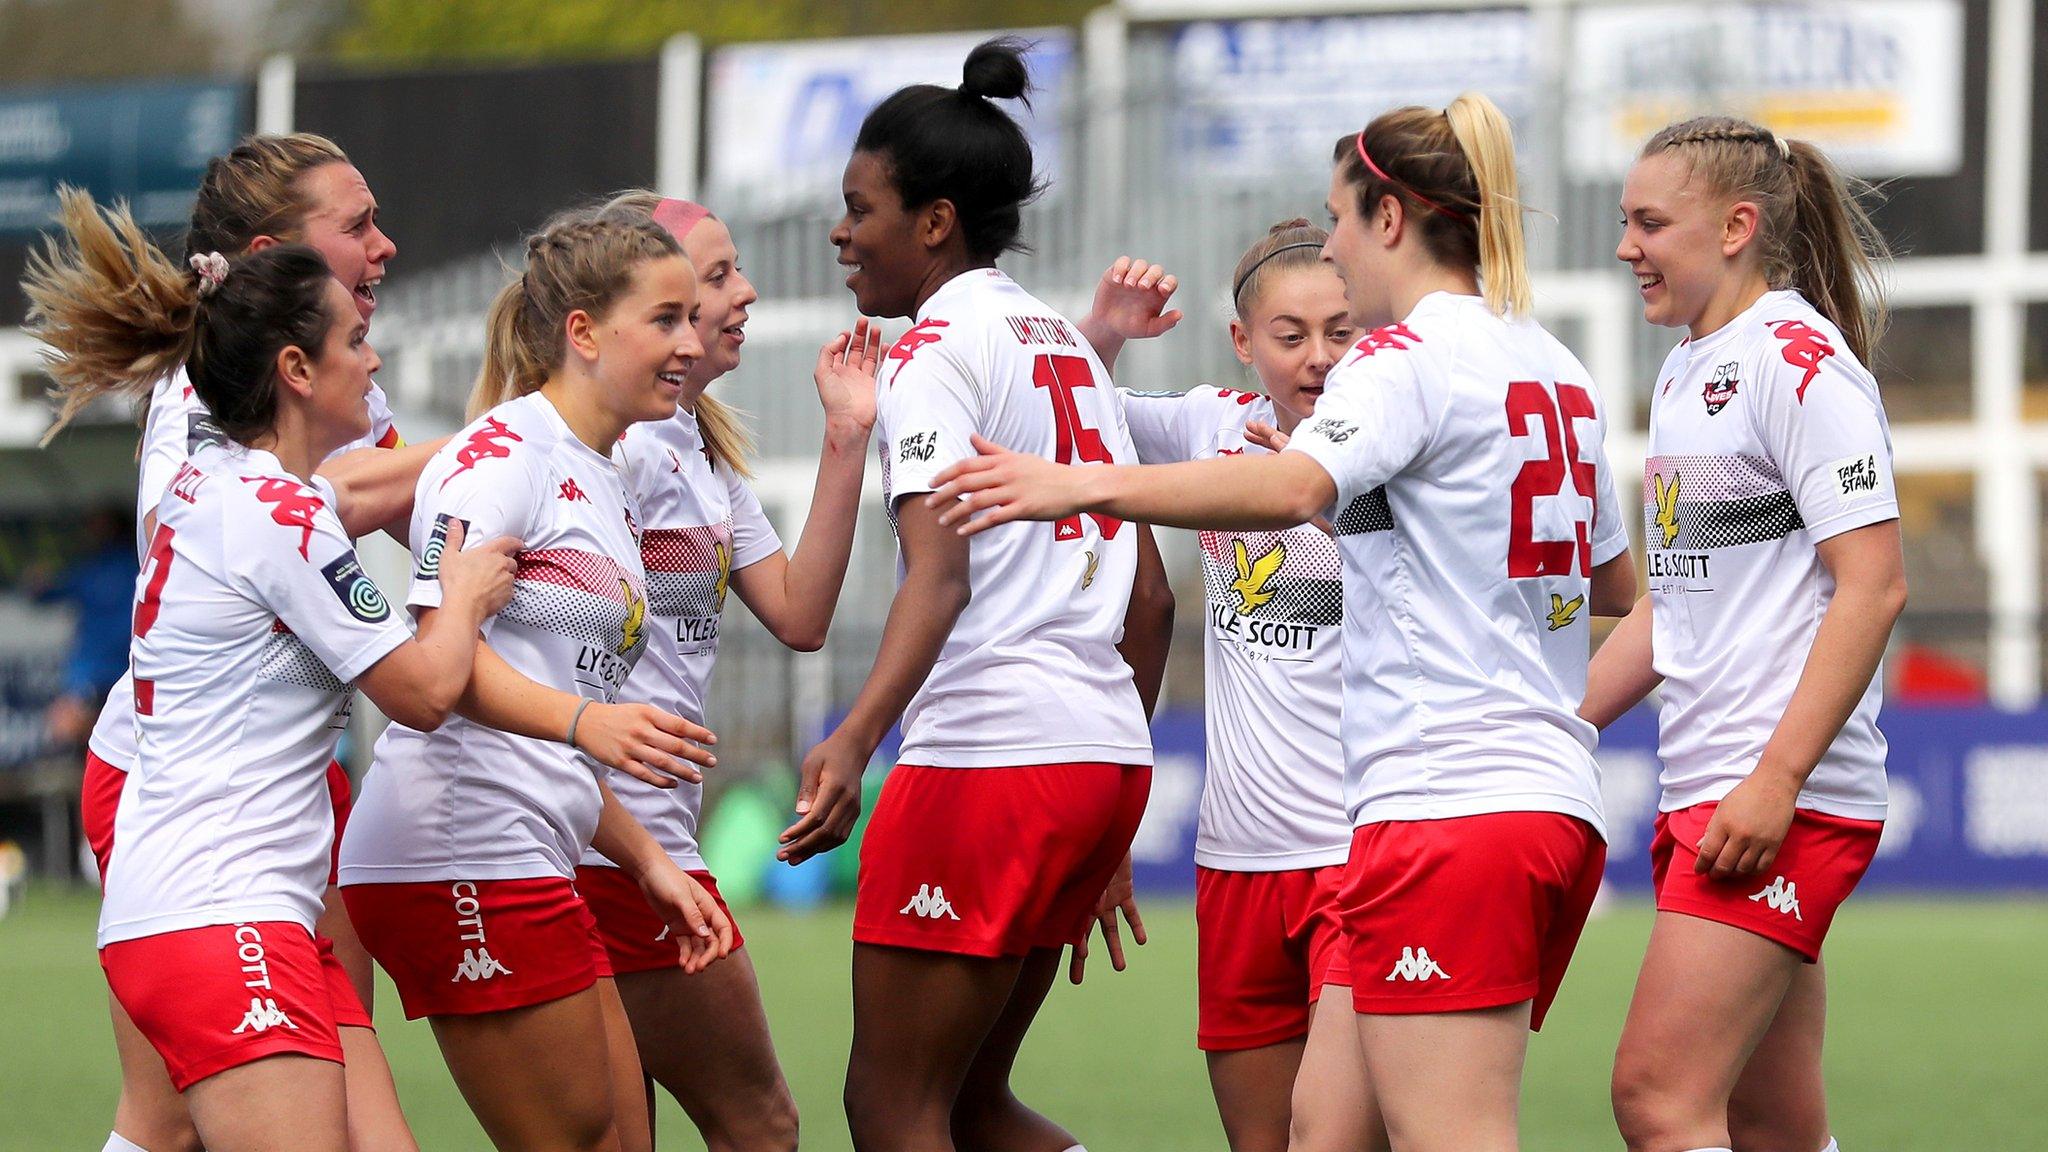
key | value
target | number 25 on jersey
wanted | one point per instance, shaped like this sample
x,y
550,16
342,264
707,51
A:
x,y
1549,411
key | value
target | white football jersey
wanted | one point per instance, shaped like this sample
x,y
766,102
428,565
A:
x,y
252,617
1766,437
175,427
699,524
1030,673
1473,502
1273,795
466,802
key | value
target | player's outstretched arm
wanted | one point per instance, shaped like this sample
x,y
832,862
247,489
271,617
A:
x,y
1227,493
1130,304
934,592
373,487
418,682
695,921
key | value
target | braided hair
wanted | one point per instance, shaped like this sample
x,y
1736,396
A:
x,y
1815,235
577,262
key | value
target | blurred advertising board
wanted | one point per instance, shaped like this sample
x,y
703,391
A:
x,y
147,144
1877,83
783,116
1255,97
1969,801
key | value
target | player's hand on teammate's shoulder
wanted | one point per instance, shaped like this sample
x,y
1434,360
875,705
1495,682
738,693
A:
x,y
827,800
481,574
845,376
646,743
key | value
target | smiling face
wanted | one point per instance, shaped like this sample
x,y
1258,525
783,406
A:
x,y
341,225
879,239
339,405
1353,249
1299,327
1686,243
723,294
645,343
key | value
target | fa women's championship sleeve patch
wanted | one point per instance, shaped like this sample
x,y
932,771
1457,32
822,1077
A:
x,y
365,601
428,566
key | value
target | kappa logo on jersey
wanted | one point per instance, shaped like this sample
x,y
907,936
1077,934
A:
x,y
1416,964
365,601
1805,348
492,441
1563,612
723,551
1721,389
930,903
922,333
428,567
1254,575
570,492
1667,506
1398,337
478,964
636,615
1780,895
1242,397
675,462
1334,430
292,504
263,1015
917,446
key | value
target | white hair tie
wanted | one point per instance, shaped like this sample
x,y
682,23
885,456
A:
x,y
1784,146
212,270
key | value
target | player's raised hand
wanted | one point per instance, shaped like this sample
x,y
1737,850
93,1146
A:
x,y
827,801
999,486
1130,301
1747,829
645,743
845,376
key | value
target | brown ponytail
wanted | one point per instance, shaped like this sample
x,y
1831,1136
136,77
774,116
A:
x,y
1816,237
1287,245
1454,173
118,316
722,427
578,262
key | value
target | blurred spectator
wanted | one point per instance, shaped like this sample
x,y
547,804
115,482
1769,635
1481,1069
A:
x,y
99,586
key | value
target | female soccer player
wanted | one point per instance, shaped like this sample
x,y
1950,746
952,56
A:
x,y
251,619
459,862
704,1035
1272,835
1775,576
1457,451
1025,756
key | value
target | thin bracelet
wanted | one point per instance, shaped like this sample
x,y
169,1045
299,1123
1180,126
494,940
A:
x,y
574,720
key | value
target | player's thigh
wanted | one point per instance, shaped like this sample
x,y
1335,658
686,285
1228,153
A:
x,y
704,1037
283,1101
375,1122
1705,997
538,1076
919,1020
1779,1101
1333,1108
150,1113
1448,1081
632,1114
348,947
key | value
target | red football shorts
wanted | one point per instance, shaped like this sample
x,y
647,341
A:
x,y
101,795
214,998
994,861
456,948
1817,867
637,939
1467,913
1267,943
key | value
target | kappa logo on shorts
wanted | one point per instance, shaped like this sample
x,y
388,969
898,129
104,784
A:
x,y
1416,964
263,1015
930,903
478,964
1780,895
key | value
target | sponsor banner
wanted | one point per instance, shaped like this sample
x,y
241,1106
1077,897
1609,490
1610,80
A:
x,y
1969,801
147,144
1255,97
1877,83
782,117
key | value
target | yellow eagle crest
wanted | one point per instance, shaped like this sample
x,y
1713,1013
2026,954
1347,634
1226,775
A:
x,y
1254,575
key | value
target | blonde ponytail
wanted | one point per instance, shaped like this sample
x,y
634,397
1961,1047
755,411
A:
x,y
725,434
1488,141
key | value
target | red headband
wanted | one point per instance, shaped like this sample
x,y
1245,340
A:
x,y
679,216
1453,213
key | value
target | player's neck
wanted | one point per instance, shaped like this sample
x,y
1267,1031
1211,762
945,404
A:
x,y
1424,278
578,407
291,441
1732,297
942,273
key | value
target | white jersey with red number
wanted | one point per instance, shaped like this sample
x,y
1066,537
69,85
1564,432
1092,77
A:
x,y
1030,673
252,617
177,424
466,802
699,524
1273,796
1473,502
1766,438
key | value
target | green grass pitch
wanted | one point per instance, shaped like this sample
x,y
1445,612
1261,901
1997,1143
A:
x,y
1938,1038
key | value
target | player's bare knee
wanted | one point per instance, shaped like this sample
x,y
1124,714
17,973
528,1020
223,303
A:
x,y
1644,1106
767,1124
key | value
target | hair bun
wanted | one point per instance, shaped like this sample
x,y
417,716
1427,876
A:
x,y
995,70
